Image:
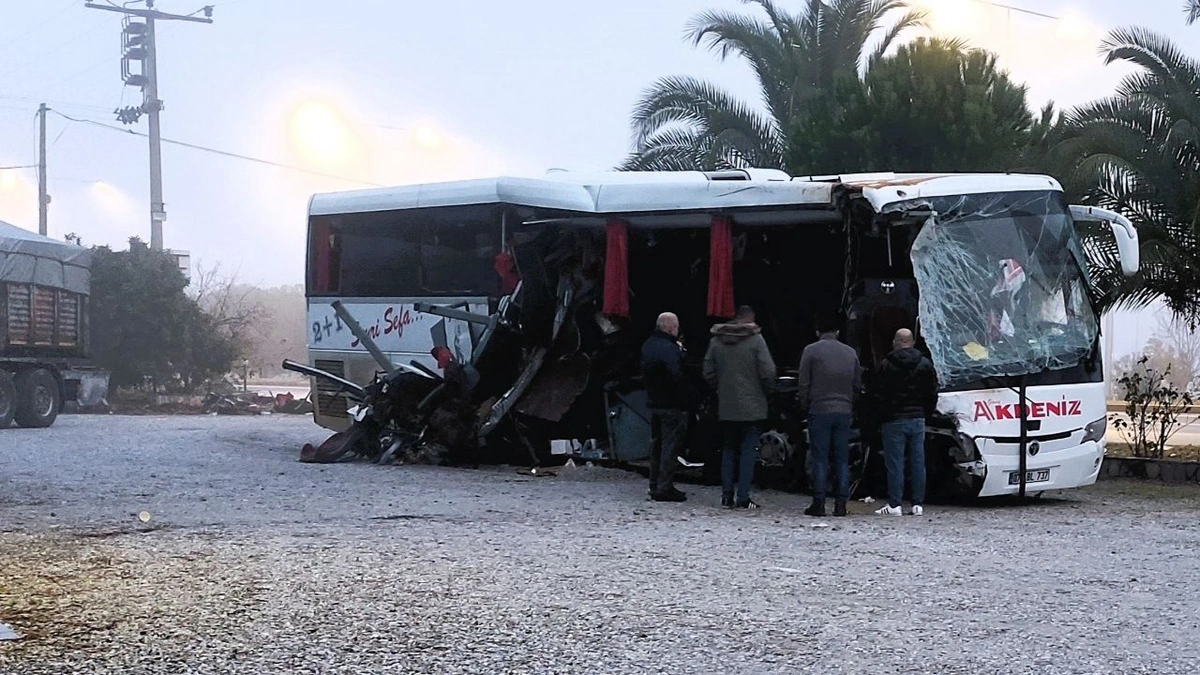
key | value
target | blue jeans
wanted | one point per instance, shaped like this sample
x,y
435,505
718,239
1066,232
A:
x,y
830,433
739,454
902,437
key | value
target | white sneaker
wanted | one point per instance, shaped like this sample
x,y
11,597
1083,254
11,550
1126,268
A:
x,y
918,510
890,511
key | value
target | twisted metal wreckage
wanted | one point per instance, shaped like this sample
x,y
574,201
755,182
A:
x,y
532,358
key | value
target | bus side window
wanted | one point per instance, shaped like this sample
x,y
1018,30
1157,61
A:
x,y
459,260
386,263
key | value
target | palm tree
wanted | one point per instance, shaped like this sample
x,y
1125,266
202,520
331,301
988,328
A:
x,y
1138,153
687,123
1192,7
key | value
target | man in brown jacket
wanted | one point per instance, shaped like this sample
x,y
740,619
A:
x,y
739,367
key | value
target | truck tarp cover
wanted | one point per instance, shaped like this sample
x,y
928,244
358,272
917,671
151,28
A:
x,y
28,258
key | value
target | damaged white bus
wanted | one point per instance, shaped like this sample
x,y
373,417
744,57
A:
x,y
543,289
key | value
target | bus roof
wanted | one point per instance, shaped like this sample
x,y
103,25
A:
x,y
648,192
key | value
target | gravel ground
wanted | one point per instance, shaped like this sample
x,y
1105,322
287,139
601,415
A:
x,y
254,563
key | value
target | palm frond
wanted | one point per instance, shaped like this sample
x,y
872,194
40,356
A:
x,y
911,19
798,59
1138,153
705,109
669,150
729,34
1147,49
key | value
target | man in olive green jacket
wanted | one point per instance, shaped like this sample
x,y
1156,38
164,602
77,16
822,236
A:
x,y
739,367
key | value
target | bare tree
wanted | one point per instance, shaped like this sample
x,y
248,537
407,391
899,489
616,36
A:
x,y
1180,344
231,306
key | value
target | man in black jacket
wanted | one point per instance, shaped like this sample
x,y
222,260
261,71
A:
x,y
668,399
906,390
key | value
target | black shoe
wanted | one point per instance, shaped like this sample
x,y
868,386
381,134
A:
x,y
670,496
727,501
747,504
839,508
816,509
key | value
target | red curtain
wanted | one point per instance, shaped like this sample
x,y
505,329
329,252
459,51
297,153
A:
x,y
720,269
616,269
506,267
321,278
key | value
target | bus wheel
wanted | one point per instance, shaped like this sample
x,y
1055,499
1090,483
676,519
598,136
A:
x,y
8,399
38,399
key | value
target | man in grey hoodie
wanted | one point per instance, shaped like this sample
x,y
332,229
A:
x,y
829,380
739,367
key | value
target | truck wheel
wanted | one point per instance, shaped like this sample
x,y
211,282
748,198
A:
x,y
8,399
38,399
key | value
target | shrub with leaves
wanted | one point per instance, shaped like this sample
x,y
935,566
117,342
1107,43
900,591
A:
x,y
146,331
1153,409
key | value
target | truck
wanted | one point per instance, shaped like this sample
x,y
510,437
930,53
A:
x,y
44,327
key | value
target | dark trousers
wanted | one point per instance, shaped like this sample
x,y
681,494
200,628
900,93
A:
x,y
829,434
901,438
668,432
738,456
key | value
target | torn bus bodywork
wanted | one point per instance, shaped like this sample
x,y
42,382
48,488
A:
x,y
588,265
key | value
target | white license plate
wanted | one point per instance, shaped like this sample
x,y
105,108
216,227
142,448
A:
x,y
1038,476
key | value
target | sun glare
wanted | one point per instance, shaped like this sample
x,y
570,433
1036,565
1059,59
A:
x,y
1073,25
320,133
8,180
951,17
427,137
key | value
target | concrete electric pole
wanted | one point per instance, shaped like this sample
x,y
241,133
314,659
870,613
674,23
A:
x,y
138,46
43,198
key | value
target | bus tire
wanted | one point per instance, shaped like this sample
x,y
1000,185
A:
x,y
38,399
8,399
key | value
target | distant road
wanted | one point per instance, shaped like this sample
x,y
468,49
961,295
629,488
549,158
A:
x,y
299,391
1189,435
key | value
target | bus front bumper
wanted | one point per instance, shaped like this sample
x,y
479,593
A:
x,y
1060,470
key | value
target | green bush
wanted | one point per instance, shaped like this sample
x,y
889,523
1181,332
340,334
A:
x,y
1153,409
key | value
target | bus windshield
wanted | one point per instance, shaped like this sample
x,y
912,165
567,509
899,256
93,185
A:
x,y
1003,287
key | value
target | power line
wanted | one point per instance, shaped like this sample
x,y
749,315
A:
x,y
60,135
215,151
61,104
55,50
23,166
57,179
1019,10
12,43
90,69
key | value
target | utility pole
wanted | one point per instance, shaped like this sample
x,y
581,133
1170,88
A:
x,y
43,198
138,46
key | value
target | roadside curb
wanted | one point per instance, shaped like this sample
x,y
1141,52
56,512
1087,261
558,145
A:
x,y
1162,470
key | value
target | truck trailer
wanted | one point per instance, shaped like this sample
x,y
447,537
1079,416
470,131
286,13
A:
x,y
44,327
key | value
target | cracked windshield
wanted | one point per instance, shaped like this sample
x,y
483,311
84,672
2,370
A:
x,y
1002,287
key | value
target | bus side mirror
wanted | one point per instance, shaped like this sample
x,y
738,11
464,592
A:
x,y
1123,230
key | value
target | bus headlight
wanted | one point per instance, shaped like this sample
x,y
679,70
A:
x,y
1096,430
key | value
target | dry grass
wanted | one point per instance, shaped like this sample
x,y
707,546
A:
x,y
1183,453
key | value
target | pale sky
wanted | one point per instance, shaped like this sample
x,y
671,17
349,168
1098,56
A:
x,y
468,89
